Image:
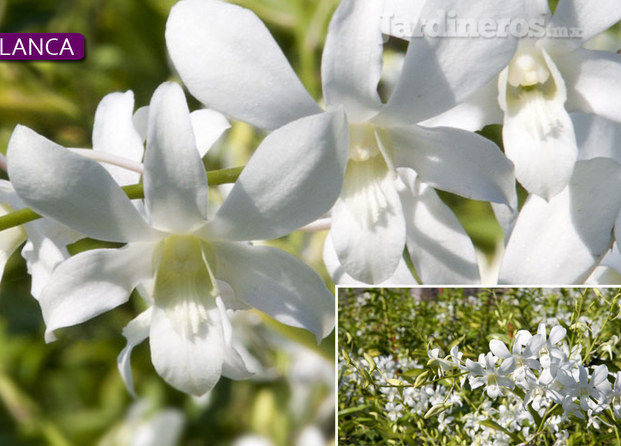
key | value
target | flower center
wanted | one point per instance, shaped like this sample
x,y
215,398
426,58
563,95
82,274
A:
x,y
583,392
528,69
184,283
363,143
492,379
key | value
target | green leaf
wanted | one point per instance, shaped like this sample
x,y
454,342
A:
x,y
370,361
492,424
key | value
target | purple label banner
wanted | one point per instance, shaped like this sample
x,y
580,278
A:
x,y
41,46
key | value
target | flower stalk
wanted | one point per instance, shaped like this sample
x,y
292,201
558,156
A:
x,y
133,191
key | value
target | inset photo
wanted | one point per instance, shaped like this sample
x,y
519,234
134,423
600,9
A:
x,y
479,366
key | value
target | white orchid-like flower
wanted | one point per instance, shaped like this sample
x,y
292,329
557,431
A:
x,y
484,372
563,240
549,348
387,201
116,140
549,76
175,248
592,392
523,356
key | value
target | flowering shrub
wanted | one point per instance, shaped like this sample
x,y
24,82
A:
x,y
504,366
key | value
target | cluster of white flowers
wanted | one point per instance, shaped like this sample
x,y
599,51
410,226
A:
x,y
546,371
512,417
538,373
398,402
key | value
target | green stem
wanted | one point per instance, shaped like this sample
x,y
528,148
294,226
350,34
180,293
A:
x,y
410,264
587,355
544,419
134,191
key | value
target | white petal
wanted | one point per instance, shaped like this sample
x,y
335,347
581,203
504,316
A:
x,y
91,283
114,133
608,271
71,189
474,367
399,17
294,177
597,137
277,284
538,135
141,122
532,347
476,112
10,239
234,365
440,72
401,277
208,126
592,80
539,139
456,161
136,331
230,62
368,227
45,249
561,241
600,374
537,9
499,349
585,18
187,337
189,357
438,245
557,334
175,185
352,58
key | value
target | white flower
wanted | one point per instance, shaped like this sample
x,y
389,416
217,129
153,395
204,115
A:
x,y
548,77
444,422
522,358
175,249
485,373
564,239
438,361
393,411
557,334
387,200
115,138
591,393
143,428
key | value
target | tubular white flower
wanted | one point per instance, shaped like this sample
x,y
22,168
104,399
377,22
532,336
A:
x,y
187,325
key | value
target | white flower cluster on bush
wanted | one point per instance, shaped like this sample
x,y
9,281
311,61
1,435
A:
x,y
546,372
397,402
537,382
